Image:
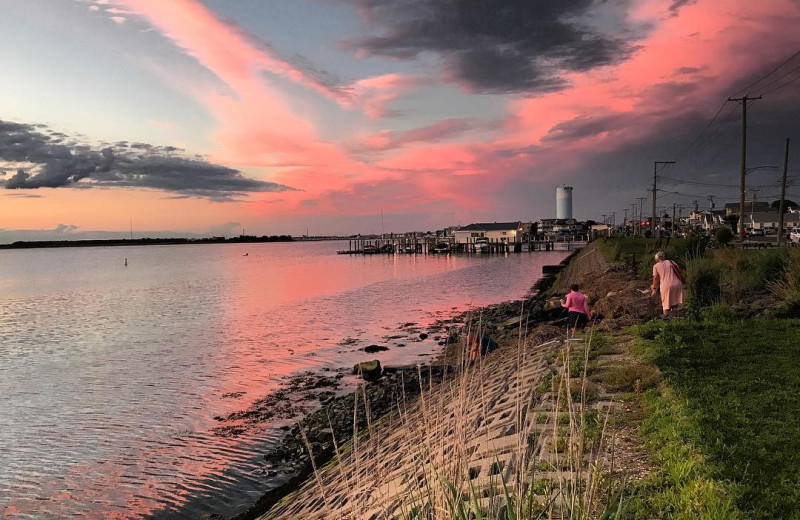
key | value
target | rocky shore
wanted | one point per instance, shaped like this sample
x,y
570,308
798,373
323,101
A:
x,y
330,413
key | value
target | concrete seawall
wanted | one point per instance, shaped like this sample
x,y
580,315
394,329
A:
x,y
470,431
496,424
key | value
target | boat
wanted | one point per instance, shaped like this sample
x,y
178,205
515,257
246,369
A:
x,y
369,249
442,247
482,245
409,250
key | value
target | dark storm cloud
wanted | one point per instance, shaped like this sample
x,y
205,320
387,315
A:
x,y
688,70
676,5
60,162
497,47
709,168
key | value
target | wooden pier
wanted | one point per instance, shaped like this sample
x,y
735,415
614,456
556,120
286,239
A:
x,y
430,245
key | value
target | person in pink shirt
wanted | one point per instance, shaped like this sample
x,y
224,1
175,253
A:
x,y
578,307
668,280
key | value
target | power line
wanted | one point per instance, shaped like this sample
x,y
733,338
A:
x,y
712,184
779,78
781,86
770,73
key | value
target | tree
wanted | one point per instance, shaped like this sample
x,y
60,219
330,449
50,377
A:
x,y
787,204
731,220
723,236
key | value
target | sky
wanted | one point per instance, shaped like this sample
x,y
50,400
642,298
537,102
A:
x,y
190,117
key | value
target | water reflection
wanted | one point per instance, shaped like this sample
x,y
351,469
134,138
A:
x,y
110,377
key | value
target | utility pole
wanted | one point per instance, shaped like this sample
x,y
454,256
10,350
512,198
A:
x,y
783,193
743,101
641,212
673,219
655,189
633,219
753,202
625,221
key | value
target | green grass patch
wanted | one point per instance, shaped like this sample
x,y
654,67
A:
x,y
737,400
637,252
684,485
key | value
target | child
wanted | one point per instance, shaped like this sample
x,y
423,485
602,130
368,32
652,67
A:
x,y
579,312
480,346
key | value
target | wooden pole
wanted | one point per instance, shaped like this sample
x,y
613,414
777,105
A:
x,y
783,193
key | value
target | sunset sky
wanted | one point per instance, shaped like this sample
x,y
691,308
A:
x,y
206,117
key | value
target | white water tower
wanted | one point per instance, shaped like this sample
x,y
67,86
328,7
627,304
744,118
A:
x,y
564,202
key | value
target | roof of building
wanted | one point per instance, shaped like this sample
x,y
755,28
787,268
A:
x,y
758,206
562,221
491,226
773,216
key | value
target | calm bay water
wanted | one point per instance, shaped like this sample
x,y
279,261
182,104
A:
x,y
110,376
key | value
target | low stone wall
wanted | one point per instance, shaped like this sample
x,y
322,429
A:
x,y
470,431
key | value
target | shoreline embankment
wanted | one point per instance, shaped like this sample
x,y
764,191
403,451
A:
x,y
332,425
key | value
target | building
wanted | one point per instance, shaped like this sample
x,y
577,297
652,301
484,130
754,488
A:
x,y
564,202
732,208
552,226
495,232
769,219
707,220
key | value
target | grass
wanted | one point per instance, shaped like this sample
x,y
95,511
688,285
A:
x,y
560,451
736,387
637,252
684,485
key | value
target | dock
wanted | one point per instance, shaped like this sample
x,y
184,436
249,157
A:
x,y
430,245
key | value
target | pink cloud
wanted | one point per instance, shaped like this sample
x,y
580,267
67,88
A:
x,y
259,126
722,46
221,45
374,94
687,64
165,125
445,129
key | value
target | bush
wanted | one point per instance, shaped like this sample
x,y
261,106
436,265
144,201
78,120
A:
x,y
723,236
719,313
703,282
787,287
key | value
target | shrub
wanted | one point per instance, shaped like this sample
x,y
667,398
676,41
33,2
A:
x,y
787,287
696,247
719,313
703,282
771,266
723,236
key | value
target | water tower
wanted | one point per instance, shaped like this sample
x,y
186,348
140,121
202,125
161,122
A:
x,y
564,202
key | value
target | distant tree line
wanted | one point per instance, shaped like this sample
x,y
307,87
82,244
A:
x,y
114,242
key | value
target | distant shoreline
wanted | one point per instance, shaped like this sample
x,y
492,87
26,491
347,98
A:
x,y
117,242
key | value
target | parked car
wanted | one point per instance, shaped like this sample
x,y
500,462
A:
x,y
756,232
794,235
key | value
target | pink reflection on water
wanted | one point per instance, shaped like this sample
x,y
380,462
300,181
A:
x,y
200,325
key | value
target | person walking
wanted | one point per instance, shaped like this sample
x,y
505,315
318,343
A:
x,y
480,345
578,307
667,279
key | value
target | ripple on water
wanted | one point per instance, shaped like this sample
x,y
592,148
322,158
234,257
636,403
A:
x,y
110,377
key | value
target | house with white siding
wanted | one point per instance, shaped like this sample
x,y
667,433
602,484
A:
x,y
494,232
769,219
